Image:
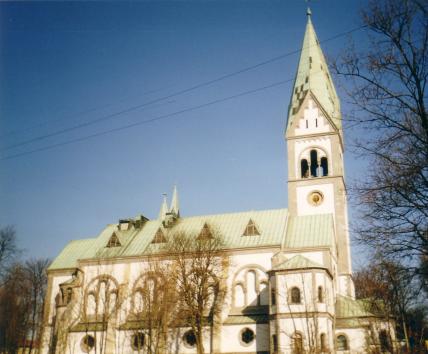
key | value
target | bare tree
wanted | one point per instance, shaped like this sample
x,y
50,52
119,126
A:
x,y
390,292
388,83
8,248
199,267
154,300
14,306
309,339
36,278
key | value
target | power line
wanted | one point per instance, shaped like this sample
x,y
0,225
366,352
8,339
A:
x,y
77,114
132,125
181,92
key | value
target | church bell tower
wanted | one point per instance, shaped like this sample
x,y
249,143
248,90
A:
x,y
315,150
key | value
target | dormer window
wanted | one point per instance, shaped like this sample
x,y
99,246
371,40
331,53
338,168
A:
x,y
113,242
251,229
159,237
205,233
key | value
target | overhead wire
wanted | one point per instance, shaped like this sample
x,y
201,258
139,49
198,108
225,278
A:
x,y
177,93
132,125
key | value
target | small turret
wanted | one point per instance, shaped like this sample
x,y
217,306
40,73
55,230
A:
x,y
175,207
164,208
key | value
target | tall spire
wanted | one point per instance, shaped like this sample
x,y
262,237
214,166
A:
x,y
175,207
313,76
164,208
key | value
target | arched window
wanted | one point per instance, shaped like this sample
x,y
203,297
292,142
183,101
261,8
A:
x,y
385,344
91,304
69,293
314,163
137,341
138,301
320,294
273,296
324,166
295,295
239,295
101,296
251,288
304,167
297,343
341,342
264,294
323,342
274,343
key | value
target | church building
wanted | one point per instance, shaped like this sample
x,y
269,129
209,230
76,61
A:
x,y
289,283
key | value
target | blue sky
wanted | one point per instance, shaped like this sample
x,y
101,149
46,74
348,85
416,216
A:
x,y
66,63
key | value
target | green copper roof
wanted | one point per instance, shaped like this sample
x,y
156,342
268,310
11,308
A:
x,y
297,262
310,231
347,307
71,253
271,225
301,231
313,75
250,319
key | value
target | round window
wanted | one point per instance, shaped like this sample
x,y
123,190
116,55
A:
x,y
189,339
137,341
315,198
87,343
247,336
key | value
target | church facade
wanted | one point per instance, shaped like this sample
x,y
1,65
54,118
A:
x,y
289,283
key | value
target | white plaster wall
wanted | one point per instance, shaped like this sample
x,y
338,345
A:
x,y
306,208
230,338
56,280
288,326
356,340
285,283
240,264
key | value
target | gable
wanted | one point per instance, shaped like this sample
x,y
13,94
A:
x,y
251,229
113,241
159,236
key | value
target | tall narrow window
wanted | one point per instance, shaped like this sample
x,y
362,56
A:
x,y
307,124
316,122
323,342
320,294
252,295
263,294
341,342
324,166
272,296
297,343
314,163
304,167
239,296
295,295
274,343
385,345
69,295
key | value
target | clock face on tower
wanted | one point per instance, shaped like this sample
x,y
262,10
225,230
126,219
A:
x,y
315,198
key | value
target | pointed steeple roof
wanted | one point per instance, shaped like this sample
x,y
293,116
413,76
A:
x,y
163,209
313,76
175,205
